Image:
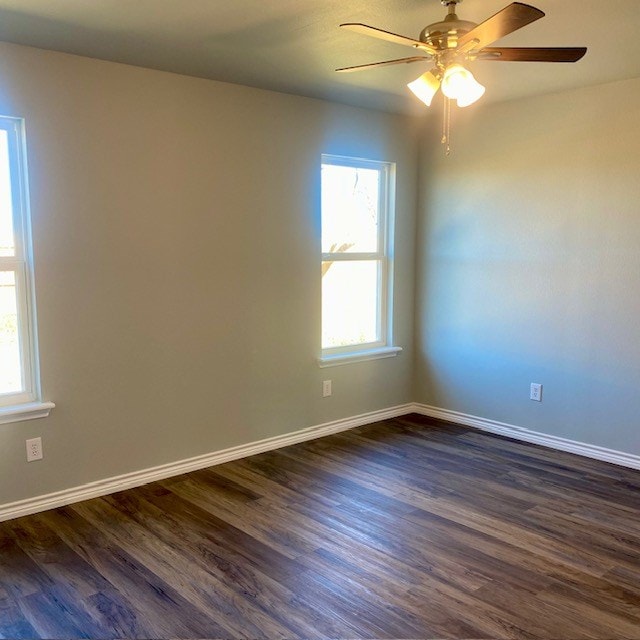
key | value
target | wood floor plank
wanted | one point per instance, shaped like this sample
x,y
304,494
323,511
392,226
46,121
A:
x,y
13,623
513,537
551,621
78,580
161,611
53,615
431,618
57,560
236,562
19,575
410,527
204,589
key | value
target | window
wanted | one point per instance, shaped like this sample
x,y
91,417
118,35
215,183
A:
x,y
357,224
19,389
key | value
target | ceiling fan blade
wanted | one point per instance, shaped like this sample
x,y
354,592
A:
x,y
532,54
366,30
510,19
372,65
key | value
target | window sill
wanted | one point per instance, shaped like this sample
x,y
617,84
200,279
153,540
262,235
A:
x,y
360,356
27,411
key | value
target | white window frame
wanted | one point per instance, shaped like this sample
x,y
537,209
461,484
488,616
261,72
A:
x,y
382,348
26,404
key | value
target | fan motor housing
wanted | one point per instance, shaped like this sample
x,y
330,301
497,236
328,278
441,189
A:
x,y
445,35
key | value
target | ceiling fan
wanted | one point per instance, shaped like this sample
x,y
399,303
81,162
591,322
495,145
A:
x,y
453,43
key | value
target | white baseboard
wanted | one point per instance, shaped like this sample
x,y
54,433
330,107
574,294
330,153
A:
x,y
521,433
161,472
138,478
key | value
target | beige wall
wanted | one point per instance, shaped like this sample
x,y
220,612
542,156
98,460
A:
x,y
529,266
176,233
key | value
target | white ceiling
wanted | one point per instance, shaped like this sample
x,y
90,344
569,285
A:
x,y
294,45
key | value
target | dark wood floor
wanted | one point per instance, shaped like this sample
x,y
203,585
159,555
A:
x,y
403,529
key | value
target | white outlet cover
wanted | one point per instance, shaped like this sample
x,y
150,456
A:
x,y
34,449
536,392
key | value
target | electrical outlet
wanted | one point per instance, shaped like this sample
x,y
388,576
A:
x,y
326,388
536,392
34,449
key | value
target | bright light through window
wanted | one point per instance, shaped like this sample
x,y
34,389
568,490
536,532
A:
x,y
350,203
349,303
18,383
355,269
10,365
7,247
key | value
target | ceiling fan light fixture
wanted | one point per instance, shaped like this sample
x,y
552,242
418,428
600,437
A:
x,y
459,84
425,87
455,81
472,93
453,43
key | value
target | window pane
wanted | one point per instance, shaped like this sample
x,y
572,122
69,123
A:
x,y
6,223
10,368
349,303
349,209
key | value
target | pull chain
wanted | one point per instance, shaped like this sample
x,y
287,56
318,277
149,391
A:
x,y
446,126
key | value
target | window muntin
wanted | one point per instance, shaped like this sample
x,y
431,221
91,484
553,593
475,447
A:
x,y
18,384
356,215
